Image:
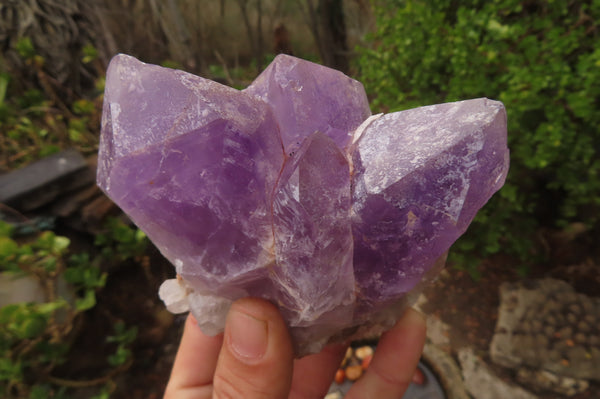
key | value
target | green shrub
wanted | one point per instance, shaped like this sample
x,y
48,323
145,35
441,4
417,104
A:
x,y
36,337
35,123
542,59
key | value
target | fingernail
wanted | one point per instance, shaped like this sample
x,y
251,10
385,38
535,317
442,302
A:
x,y
248,336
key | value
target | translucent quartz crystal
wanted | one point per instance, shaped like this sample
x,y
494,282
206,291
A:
x,y
307,97
291,191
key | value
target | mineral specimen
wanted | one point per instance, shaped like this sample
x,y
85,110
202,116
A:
x,y
291,191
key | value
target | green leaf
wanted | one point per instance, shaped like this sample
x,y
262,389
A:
x,y
87,302
55,352
74,135
10,370
60,244
40,392
48,150
119,357
83,107
48,308
123,335
74,275
8,313
6,229
140,235
25,48
8,247
90,53
32,327
4,79
105,394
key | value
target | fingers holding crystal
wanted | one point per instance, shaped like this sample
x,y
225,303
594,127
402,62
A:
x,y
395,360
195,363
256,359
319,370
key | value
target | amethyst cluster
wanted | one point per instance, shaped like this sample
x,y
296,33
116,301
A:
x,y
290,190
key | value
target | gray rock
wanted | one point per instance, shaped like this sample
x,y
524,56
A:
x,y
447,371
41,182
569,345
545,380
578,355
482,383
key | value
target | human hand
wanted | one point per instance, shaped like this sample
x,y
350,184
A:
x,y
254,359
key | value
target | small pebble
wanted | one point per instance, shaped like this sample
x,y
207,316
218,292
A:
x,y
347,356
575,308
340,376
353,373
588,305
583,326
363,352
554,355
542,341
580,338
550,306
418,377
565,332
562,344
366,362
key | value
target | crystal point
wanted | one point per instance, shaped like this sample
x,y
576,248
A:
x,y
291,191
307,97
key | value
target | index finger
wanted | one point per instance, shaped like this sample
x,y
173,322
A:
x,y
313,373
395,360
195,362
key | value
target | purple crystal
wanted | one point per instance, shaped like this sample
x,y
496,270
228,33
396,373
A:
x,y
185,169
290,191
417,189
307,97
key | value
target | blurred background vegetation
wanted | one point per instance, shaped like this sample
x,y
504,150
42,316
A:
x,y
541,58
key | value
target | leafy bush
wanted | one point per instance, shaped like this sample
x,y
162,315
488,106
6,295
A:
x,y
36,123
542,59
35,337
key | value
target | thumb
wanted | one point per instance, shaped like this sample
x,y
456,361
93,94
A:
x,y
256,358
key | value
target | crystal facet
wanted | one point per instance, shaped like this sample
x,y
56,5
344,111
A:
x,y
291,191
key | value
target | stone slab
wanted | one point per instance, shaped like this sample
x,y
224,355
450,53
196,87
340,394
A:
x,y
546,325
482,383
41,182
